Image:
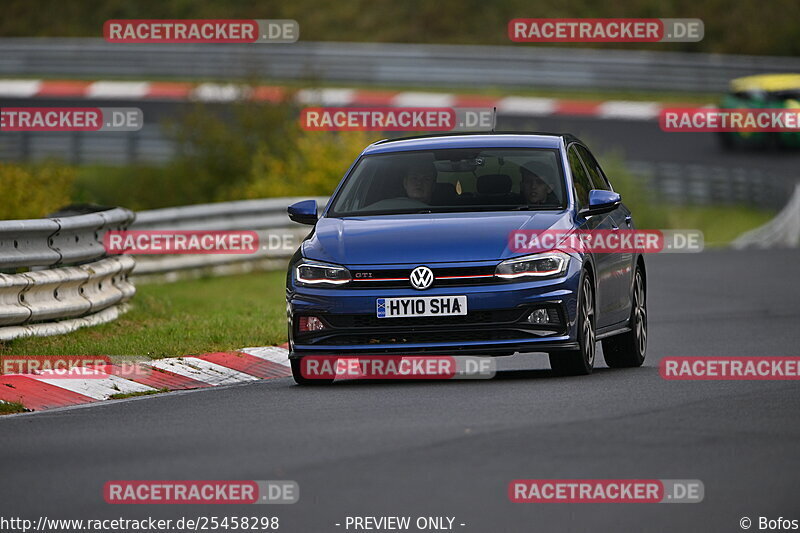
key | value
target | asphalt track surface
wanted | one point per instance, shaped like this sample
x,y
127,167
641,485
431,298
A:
x,y
450,448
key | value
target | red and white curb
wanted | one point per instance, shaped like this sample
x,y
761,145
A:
x,y
47,390
214,92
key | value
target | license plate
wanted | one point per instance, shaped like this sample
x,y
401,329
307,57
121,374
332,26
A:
x,y
422,306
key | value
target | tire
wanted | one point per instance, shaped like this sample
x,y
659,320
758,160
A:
x,y
581,361
628,350
297,374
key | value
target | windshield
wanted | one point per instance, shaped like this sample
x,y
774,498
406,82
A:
x,y
453,180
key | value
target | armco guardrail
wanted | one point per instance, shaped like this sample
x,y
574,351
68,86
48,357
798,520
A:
x,y
694,184
69,282
783,230
267,217
389,64
58,241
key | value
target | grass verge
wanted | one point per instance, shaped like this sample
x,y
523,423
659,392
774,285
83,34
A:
x,y
720,224
9,408
182,318
123,395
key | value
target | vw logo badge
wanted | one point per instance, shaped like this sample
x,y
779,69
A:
x,y
421,277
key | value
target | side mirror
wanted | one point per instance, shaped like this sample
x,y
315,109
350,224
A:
x,y
304,212
601,202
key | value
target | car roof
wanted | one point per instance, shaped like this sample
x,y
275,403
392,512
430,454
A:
x,y
471,140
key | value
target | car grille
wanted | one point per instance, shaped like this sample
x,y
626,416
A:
x,y
407,337
474,317
443,277
484,326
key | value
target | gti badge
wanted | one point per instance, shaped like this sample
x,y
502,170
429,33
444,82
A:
x,y
421,277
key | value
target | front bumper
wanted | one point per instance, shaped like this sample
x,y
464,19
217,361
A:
x,y
495,323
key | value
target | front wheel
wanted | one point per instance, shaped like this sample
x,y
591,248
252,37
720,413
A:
x,y
628,349
297,374
581,361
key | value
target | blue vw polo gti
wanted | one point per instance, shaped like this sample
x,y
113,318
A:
x,y
411,256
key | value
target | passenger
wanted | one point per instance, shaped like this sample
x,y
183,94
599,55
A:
x,y
533,188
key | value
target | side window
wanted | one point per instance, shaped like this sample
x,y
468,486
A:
x,y
599,180
579,177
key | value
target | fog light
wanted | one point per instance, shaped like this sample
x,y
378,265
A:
x,y
545,316
539,316
310,323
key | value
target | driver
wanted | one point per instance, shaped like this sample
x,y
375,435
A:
x,y
419,181
534,189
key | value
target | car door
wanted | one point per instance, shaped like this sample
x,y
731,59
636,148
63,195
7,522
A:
x,y
604,299
621,263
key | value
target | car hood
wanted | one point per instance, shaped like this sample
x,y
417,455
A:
x,y
429,238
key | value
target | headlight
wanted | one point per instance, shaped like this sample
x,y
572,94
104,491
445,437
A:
x,y
316,273
544,265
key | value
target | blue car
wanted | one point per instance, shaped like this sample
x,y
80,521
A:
x,y
412,256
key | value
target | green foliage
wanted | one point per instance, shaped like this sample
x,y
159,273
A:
x,y
741,27
254,150
217,150
136,187
314,166
33,191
